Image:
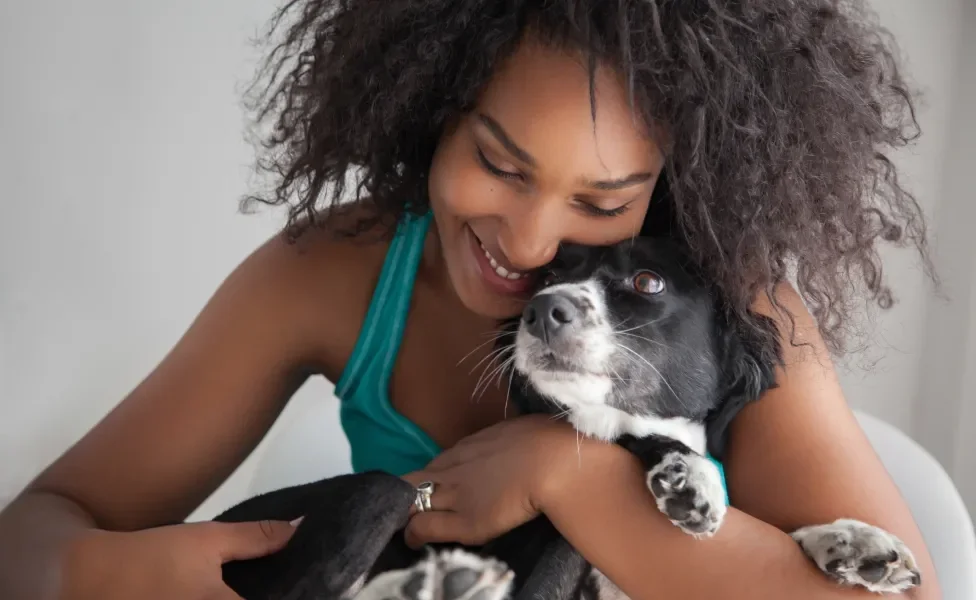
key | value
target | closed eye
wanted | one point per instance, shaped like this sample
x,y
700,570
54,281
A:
x,y
595,210
491,168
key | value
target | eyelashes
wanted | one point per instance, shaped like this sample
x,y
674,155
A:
x,y
495,170
604,212
590,209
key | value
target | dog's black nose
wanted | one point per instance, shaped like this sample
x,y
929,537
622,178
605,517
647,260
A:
x,y
547,314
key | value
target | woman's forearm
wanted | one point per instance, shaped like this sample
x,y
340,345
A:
x,y
34,531
611,518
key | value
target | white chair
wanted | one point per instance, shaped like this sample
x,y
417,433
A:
x,y
935,503
310,446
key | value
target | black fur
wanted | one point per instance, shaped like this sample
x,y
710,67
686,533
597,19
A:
x,y
712,365
352,523
361,512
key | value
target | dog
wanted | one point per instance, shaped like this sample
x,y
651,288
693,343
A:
x,y
633,346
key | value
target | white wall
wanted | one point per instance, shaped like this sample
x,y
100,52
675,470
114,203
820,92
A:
x,y
121,161
884,377
120,134
945,405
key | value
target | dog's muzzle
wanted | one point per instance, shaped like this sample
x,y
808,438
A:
x,y
548,316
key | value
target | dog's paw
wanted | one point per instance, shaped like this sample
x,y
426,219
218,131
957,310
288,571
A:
x,y
688,489
858,554
449,575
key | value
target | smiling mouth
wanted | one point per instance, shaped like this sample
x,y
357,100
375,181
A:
x,y
500,270
499,277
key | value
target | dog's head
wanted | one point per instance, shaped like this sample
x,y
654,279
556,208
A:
x,y
627,337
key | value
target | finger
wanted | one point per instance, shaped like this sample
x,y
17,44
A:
x,y
444,498
416,478
444,495
242,541
434,527
458,455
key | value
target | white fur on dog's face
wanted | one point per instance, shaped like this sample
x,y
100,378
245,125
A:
x,y
584,357
582,371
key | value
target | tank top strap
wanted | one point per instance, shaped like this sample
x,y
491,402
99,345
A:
x,y
382,329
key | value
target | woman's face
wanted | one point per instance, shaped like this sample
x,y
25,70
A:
x,y
529,168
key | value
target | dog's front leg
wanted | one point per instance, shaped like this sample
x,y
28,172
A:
x,y
686,485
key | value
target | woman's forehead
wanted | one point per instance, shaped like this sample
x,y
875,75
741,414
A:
x,y
541,97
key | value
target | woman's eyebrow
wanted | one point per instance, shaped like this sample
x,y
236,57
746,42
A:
x,y
503,138
609,185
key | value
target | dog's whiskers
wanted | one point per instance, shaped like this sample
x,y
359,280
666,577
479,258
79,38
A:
x,y
497,336
615,376
659,374
486,375
485,381
640,337
646,339
508,391
645,324
510,366
493,355
579,450
560,415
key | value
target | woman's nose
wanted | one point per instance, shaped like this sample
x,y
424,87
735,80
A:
x,y
530,238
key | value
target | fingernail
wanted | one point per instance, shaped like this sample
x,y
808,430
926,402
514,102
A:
x,y
296,522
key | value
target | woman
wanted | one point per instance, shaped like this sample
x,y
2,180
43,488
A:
x,y
485,134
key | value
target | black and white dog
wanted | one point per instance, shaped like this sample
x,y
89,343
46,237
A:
x,y
632,346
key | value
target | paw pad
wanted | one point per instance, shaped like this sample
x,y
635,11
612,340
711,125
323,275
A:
x,y
449,575
688,489
858,554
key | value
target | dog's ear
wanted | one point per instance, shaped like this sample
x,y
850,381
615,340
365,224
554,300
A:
x,y
748,360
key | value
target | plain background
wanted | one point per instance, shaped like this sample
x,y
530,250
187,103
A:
x,y
122,157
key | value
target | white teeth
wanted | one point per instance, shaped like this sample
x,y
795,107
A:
x,y
499,270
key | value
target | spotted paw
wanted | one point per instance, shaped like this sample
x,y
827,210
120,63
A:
x,y
449,575
688,489
858,554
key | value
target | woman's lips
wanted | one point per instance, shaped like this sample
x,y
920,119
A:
x,y
498,277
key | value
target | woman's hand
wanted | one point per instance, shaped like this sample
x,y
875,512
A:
x,y
497,479
179,561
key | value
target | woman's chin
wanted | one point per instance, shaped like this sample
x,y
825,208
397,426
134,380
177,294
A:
x,y
485,303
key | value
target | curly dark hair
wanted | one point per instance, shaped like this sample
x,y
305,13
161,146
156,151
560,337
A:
x,y
778,116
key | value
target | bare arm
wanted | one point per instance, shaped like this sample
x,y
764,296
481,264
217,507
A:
x,y
182,430
796,457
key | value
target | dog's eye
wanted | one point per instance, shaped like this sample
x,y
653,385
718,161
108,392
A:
x,y
648,282
549,279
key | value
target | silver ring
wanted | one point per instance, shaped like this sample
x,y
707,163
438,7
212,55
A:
x,y
424,491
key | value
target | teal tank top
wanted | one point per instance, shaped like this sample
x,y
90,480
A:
x,y
380,437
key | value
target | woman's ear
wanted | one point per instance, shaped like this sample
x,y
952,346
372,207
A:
x,y
748,361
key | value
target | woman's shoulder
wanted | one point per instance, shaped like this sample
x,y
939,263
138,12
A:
x,y
333,248
324,278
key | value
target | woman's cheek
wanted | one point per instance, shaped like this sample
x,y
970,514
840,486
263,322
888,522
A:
x,y
470,193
